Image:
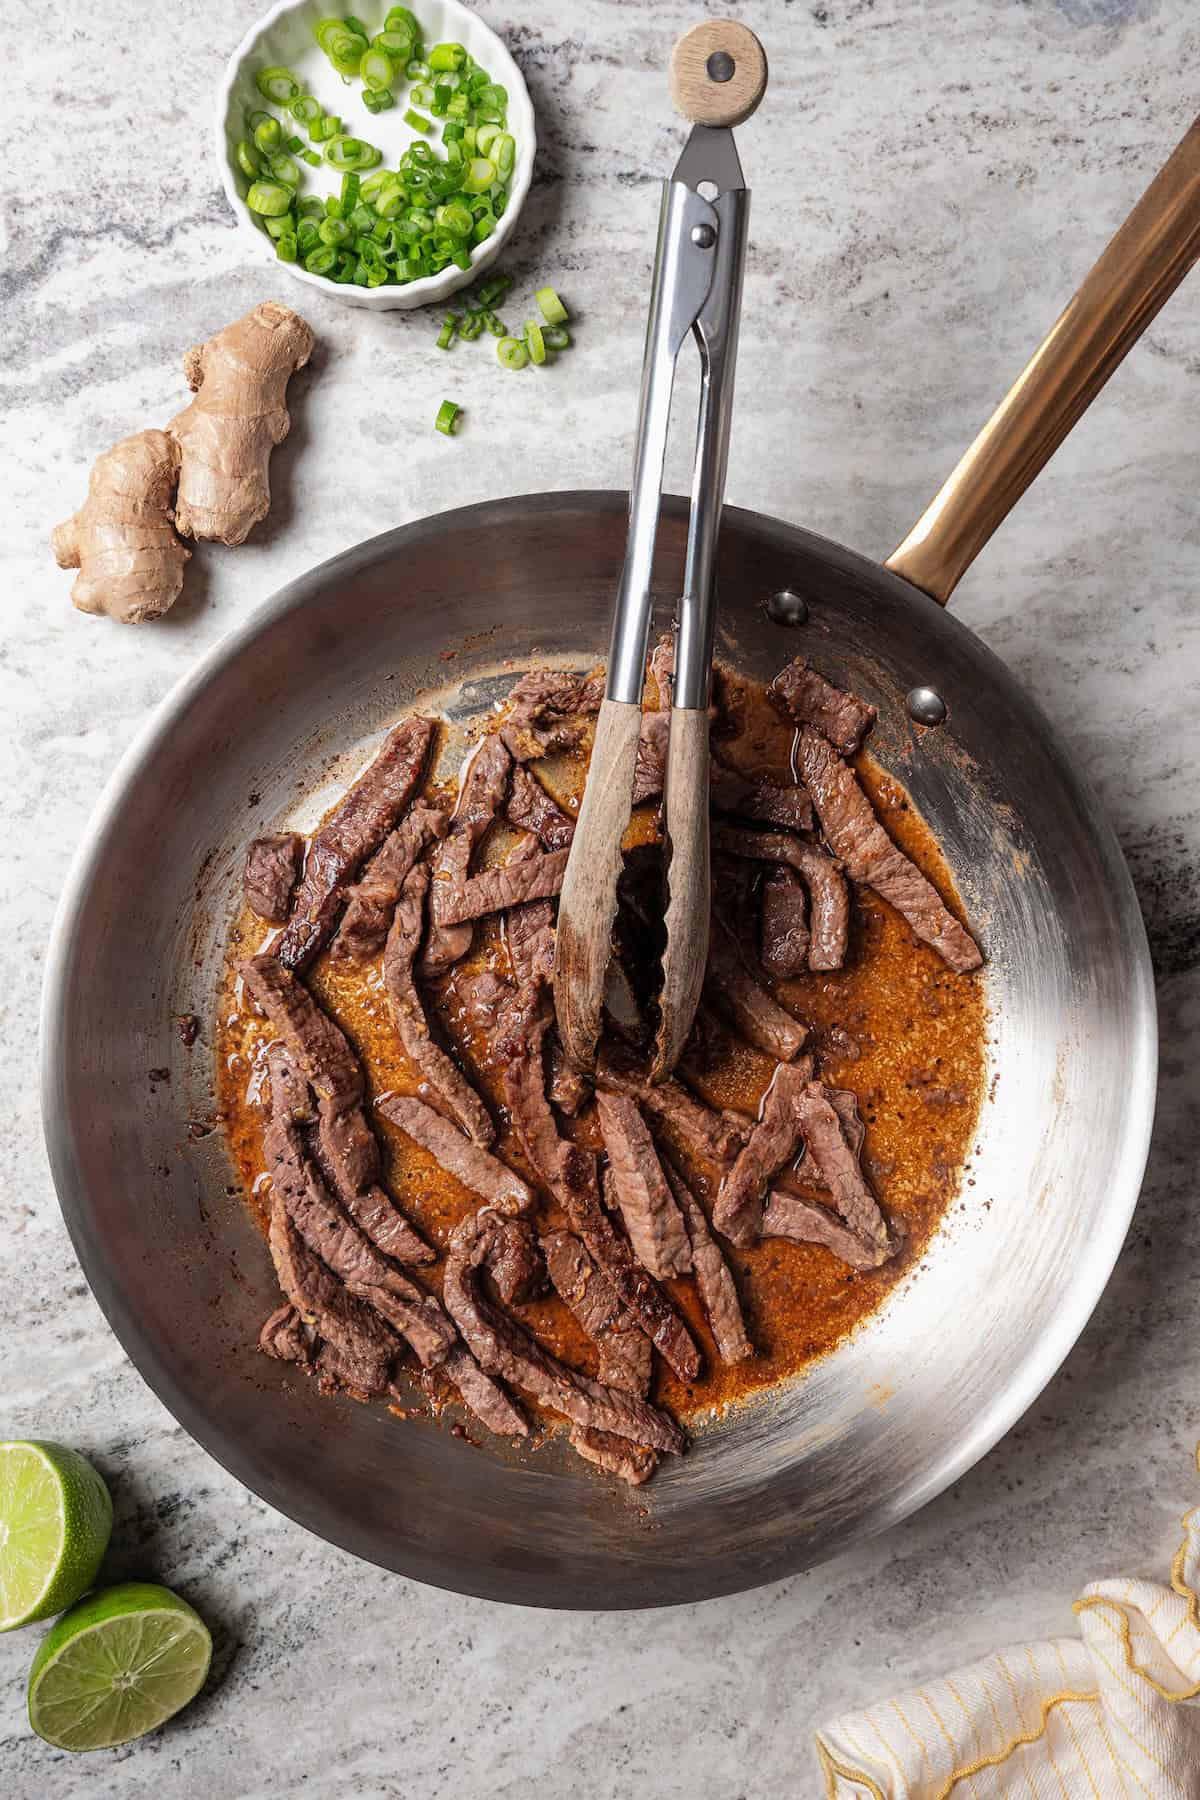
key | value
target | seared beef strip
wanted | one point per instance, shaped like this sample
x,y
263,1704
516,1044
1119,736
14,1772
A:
x,y
821,876
790,1215
548,708
356,826
811,700
568,1089
272,871
788,808
371,901
650,769
783,924
616,1456
530,808
318,1045
856,836
624,1348
772,1144
529,929
827,1145
513,884
702,1131
504,1348
734,993
286,1337
289,1096
416,1315
485,1397
514,1260
484,781
714,1281
653,1220
364,1343
444,1077
477,1169
318,1218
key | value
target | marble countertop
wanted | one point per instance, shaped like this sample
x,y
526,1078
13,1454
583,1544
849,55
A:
x,y
929,181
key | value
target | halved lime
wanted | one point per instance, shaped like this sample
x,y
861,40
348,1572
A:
x,y
55,1521
116,1666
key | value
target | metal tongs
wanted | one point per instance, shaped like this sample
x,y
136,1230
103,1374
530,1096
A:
x,y
718,76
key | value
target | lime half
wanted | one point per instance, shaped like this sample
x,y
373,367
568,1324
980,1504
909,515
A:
x,y
55,1521
116,1666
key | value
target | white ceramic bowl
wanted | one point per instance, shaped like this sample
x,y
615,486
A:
x,y
284,38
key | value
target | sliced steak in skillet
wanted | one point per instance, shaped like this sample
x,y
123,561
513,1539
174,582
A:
x,y
826,1140
289,1096
529,929
271,872
346,1153
650,769
734,993
811,700
480,797
477,1169
548,707
486,1398
855,835
714,1280
530,808
371,901
788,807
772,1144
536,878
286,1337
356,827
578,1281
700,1130
444,1077
359,1336
568,1089
654,1222
789,1215
830,898
782,924
318,1045
515,1262
504,1348
616,1456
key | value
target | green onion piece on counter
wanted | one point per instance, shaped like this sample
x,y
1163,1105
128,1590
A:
x,y
551,307
417,122
311,207
285,169
447,56
417,70
305,108
535,342
449,331
268,136
334,232
377,100
247,159
321,260
447,418
504,153
277,84
286,247
376,69
512,353
269,199
495,325
493,288
347,152
478,175
471,327
556,337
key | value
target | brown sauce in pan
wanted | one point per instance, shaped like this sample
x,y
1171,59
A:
x,y
895,1026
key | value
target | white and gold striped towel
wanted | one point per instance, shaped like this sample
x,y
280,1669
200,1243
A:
x,y
1098,1716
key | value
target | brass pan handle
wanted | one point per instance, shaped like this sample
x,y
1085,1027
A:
x,y
1135,276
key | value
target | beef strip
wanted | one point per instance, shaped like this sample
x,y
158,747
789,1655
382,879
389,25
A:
x,y
811,700
529,929
444,1077
477,1169
416,1315
514,1261
568,1089
856,836
318,1045
289,1096
625,1350
357,825
650,769
782,924
531,808
714,1281
480,796
700,1130
826,1141
616,1456
271,872
505,1348
286,1337
570,1174
360,1337
548,707
654,1222
734,993
789,807
805,1221
821,875
772,1144
490,1403
535,878
371,901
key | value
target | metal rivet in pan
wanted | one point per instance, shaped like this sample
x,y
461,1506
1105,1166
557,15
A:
x,y
925,706
787,608
720,66
703,236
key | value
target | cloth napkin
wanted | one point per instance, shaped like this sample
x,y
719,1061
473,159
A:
x,y
1098,1716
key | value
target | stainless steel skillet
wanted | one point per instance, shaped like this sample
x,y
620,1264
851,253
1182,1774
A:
x,y
958,1353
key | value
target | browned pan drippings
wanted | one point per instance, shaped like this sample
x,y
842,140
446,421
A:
x,y
896,1027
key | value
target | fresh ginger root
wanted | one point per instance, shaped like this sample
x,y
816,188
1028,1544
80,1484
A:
x,y
239,414
121,540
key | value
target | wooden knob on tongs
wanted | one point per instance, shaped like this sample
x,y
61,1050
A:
x,y
718,73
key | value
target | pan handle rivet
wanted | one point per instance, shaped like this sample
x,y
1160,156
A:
x,y
720,66
925,706
703,236
787,608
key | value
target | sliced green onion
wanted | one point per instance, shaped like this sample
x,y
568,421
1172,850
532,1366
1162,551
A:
x,y
311,207
422,94
247,159
277,84
535,341
377,100
496,325
277,225
417,70
478,175
311,158
362,218
417,122
397,44
447,56
347,269
447,418
326,127
556,337
376,69
285,169
504,153
452,132
350,194
492,289
551,307
286,248
471,327
293,145
344,46
268,135
485,137
321,260
345,152
255,119
353,24
449,331
308,235
269,198
459,107
511,353
334,231
399,18
305,108
455,218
